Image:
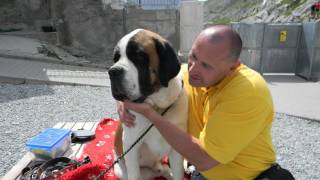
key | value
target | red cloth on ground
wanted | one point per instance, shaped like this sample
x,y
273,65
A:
x,y
317,6
101,153
86,172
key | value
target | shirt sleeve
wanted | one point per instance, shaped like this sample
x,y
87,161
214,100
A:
x,y
233,124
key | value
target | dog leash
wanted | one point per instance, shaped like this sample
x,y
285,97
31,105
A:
x,y
129,149
139,138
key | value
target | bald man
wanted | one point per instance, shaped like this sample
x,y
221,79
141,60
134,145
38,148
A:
x,y
230,112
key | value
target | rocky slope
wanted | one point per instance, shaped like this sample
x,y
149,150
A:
x,y
274,11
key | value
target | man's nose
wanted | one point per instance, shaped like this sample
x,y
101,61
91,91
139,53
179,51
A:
x,y
191,66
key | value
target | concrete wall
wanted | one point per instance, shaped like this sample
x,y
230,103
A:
x,y
298,54
264,51
164,22
20,14
252,43
34,10
308,64
96,27
191,24
86,27
315,71
8,12
277,56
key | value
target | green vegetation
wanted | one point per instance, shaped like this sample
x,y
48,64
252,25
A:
x,y
220,20
248,4
9,30
237,6
292,4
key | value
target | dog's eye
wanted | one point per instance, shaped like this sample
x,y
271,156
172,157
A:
x,y
142,58
152,70
116,56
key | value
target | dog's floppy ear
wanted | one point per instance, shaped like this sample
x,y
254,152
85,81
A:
x,y
169,65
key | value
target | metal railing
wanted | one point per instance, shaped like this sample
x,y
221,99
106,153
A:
x,y
152,4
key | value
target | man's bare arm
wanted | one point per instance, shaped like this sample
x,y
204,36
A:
x,y
188,146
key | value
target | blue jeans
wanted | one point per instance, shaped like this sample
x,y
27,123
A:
x,y
275,172
196,176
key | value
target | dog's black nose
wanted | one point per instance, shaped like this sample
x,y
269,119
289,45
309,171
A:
x,y
115,71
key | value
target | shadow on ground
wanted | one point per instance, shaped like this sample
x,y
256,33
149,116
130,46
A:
x,y
284,79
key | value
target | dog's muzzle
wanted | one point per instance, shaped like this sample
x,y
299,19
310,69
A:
x,y
116,75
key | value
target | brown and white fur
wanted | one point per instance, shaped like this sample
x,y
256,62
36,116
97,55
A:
x,y
146,69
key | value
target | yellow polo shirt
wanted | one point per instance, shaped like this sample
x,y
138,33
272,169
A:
x,y
233,121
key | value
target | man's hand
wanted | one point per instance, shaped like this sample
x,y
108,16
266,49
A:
x,y
124,115
142,108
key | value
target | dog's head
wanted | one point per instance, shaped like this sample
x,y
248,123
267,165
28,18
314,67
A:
x,y
143,63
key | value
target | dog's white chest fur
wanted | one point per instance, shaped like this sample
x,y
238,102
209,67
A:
x,y
152,147
153,139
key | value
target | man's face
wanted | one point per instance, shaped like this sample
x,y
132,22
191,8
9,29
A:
x,y
208,63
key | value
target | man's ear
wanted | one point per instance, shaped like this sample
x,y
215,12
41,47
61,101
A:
x,y
234,66
169,65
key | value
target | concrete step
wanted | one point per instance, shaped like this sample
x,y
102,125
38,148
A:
x,y
16,47
49,37
23,71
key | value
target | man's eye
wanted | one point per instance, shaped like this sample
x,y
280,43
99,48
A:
x,y
192,57
206,66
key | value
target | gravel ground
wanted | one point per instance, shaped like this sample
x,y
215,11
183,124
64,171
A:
x,y
25,110
28,109
297,142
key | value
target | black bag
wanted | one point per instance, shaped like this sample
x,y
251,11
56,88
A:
x,y
51,169
275,172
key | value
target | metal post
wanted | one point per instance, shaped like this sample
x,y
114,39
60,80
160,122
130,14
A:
x,y
62,33
178,28
124,20
313,49
262,49
297,49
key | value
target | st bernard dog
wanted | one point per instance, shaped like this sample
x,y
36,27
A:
x,y
146,69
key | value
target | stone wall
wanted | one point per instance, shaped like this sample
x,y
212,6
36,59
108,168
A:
x,y
89,28
96,27
164,22
24,14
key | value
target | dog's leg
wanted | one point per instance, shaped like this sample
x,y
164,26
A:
x,y
176,164
163,170
120,170
132,164
132,158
